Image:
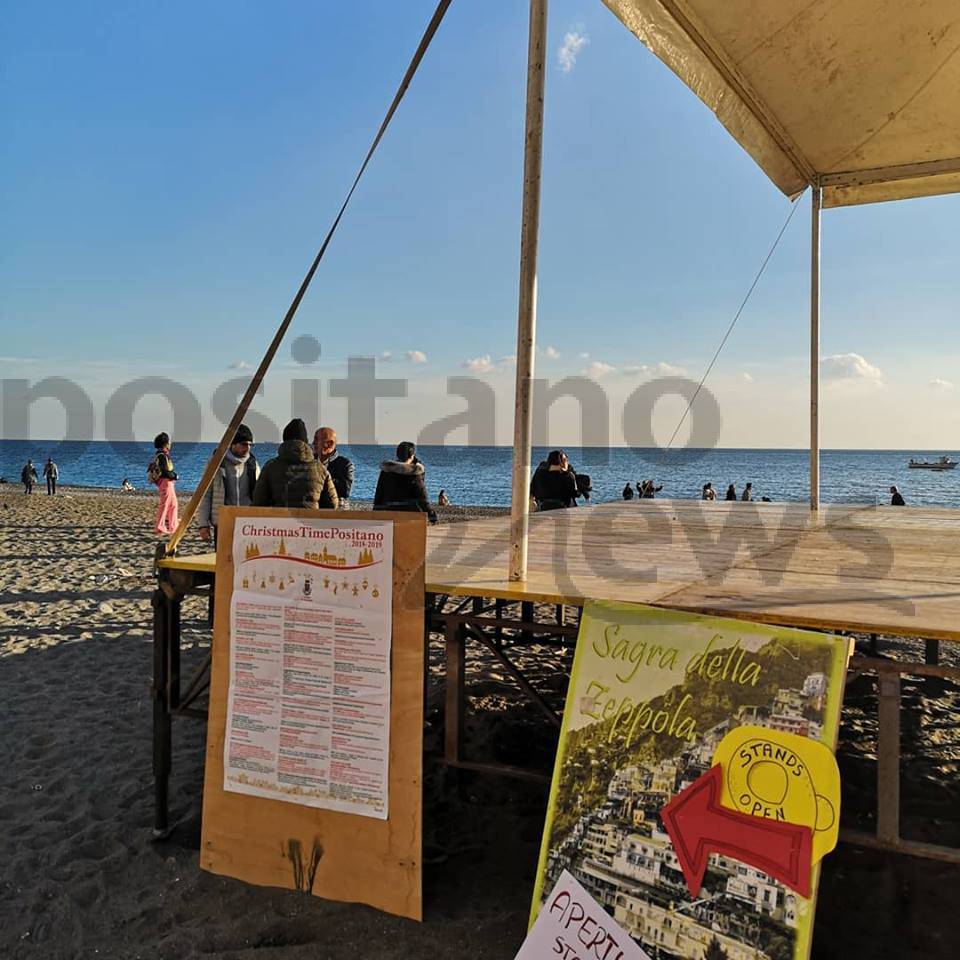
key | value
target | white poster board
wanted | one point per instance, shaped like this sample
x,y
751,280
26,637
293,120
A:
x,y
308,707
573,926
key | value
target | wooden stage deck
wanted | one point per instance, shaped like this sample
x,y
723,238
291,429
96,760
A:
x,y
876,569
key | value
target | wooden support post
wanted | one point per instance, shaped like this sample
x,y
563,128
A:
x,y
932,652
162,725
454,691
888,759
815,203
498,606
527,309
526,616
873,644
561,615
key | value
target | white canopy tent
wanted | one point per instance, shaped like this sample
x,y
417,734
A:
x,y
857,99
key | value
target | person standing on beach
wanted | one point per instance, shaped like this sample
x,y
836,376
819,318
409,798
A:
x,y
52,473
554,487
294,478
162,474
233,484
338,466
28,476
747,494
402,485
628,492
731,493
896,499
648,491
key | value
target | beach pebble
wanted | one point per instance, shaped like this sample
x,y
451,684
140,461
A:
x,y
105,608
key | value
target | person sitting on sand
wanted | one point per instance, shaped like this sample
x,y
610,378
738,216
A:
x,y
402,485
555,486
731,493
162,467
443,500
747,494
126,486
896,500
628,492
708,493
28,476
294,478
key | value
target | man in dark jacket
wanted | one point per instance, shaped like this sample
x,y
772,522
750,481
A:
x,y
401,484
896,498
293,478
338,466
554,484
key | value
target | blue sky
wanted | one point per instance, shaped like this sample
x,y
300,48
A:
x,y
167,173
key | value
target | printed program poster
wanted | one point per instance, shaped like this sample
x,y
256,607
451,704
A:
x,y
652,697
308,710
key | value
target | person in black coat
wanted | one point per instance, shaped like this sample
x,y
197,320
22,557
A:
x,y
554,485
731,493
896,499
401,484
628,492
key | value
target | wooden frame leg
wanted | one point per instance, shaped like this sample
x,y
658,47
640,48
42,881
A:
x,y
162,726
454,691
888,759
932,652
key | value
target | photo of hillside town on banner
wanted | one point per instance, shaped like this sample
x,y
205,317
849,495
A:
x,y
653,695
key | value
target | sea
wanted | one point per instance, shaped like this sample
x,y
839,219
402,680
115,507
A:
x,y
480,476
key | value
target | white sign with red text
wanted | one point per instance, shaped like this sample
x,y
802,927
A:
x,y
571,925
308,710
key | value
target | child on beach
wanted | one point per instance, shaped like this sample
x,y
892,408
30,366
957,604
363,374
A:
x,y
162,470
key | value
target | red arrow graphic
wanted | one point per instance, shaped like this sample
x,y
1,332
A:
x,y
698,826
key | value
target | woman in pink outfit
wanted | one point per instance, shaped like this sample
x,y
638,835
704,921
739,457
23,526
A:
x,y
167,515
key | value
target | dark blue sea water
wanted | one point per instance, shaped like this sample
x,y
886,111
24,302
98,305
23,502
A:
x,y
481,475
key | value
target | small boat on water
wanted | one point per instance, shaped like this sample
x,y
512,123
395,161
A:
x,y
944,463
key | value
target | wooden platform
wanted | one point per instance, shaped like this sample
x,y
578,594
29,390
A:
x,y
876,569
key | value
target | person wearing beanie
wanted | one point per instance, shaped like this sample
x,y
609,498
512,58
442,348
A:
x,y
233,484
295,478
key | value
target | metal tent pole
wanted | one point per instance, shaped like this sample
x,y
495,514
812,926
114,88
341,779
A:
x,y
527,312
815,204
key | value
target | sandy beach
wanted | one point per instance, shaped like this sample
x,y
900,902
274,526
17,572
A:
x,y
81,878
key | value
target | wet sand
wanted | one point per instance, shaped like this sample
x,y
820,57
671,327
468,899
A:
x,y
80,877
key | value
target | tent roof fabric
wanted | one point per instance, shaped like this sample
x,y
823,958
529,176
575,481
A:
x,y
859,96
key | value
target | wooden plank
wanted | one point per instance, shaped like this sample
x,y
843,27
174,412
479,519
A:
x,y
333,855
847,566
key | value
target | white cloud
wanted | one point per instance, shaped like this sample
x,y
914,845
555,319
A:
x,y
552,353
660,369
479,364
240,365
849,366
573,43
939,384
598,369
746,377
416,356
485,364
387,355
584,356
